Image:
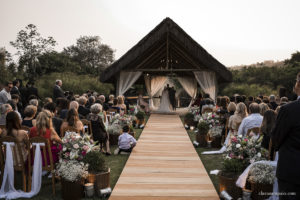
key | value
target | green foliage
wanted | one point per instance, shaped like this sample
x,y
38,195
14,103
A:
x,y
30,45
203,127
78,84
96,162
91,55
140,115
189,116
232,166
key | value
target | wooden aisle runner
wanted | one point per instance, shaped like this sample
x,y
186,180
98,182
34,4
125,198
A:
x,y
164,165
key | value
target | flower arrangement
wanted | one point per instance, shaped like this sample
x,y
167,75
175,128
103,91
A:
x,y
72,170
203,127
262,173
114,129
96,162
76,147
213,121
123,120
245,150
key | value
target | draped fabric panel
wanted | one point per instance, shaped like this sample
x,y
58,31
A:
x,y
8,190
153,85
126,80
207,81
189,85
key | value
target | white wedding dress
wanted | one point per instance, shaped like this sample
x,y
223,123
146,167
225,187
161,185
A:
x,y
165,105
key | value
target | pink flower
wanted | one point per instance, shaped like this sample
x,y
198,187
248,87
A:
x,y
85,147
83,153
246,140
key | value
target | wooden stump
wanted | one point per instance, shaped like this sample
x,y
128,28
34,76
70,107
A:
x,y
100,180
113,139
228,184
71,190
201,139
258,190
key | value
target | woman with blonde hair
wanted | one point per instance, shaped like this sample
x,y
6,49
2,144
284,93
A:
x,y
111,100
231,108
45,129
121,104
263,108
236,119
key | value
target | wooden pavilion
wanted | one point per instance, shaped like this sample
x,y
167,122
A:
x,y
166,50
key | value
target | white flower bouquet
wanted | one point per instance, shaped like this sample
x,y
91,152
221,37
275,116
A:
x,y
72,170
262,173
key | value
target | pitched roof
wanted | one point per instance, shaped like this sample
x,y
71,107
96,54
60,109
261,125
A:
x,y
154,46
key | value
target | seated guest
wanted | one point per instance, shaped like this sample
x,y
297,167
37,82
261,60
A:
x,y
5,108
48,100
222,109
14,108
13,129
143,105
29,112
72,123
126,142
56,121
111,100
273,105
105,106
121,104
82,109
98,128
236,119
283,100
45,129
75,105
263,108
62,107
115,106
16,99
90,102
231,108
253,120
267,126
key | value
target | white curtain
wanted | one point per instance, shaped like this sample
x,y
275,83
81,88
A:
x,y
153,84
126,80
8,190
207,81
190,86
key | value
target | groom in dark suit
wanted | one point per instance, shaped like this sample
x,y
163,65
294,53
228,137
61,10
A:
x,y
286,139
172,92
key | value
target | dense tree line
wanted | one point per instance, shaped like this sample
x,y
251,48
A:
x,y
264,80
78,65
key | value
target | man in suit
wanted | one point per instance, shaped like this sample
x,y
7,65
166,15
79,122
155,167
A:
x,y
286,140
31,90
172,92
15,89
57,91
82,109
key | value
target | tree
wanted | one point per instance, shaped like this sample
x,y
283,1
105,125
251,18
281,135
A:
x,y
92,56
30,45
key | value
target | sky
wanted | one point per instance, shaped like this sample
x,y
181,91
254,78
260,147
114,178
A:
x,y
235,32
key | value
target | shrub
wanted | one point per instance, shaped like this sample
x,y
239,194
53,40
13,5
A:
x,y
189,116
78,84
232,166
96,162
140,115
203,127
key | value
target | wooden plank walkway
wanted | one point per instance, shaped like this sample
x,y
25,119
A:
x,y
164,165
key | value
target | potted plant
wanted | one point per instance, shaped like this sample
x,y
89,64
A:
x,y
215,134
140,118
261,177
99,173
72,175
114,132
189,119
201,136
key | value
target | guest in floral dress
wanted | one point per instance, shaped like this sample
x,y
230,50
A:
x,y
45,129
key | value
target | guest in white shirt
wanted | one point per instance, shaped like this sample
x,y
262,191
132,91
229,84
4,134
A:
x,y
5,93
126,141
253,120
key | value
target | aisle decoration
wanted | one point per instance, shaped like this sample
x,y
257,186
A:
x,y
71,168
239,154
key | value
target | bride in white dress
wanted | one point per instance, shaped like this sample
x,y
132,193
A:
x,y
165,105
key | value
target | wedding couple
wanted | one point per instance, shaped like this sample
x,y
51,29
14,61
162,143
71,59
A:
x,y
167,101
